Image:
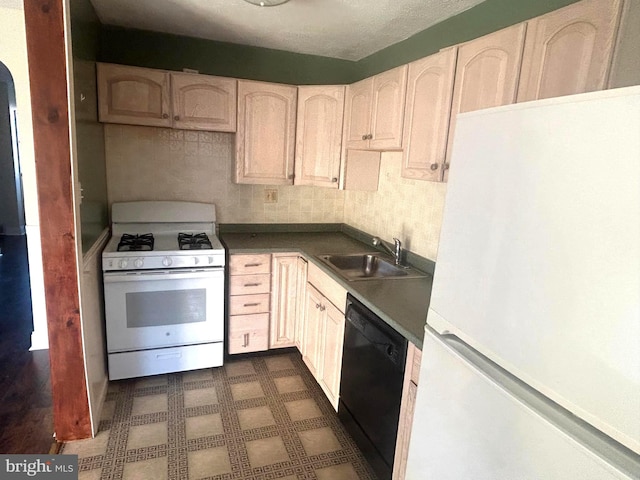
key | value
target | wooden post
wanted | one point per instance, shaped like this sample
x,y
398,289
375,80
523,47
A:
x,y
48,77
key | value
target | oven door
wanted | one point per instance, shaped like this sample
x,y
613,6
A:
x,y
154,309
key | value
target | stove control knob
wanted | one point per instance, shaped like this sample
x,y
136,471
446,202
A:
x,y
139,262
166,261
196,260
123,264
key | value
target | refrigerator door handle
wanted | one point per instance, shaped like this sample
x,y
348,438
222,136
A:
x,y
593,439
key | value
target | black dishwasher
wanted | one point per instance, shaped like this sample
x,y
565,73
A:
x,y
371,385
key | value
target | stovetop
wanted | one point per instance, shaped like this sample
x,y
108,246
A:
x,y
135,242
162,235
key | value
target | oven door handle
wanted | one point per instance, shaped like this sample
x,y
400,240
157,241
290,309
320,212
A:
x,y
163,275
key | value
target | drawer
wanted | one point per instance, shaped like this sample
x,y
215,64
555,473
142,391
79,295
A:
x,y
249,264
249,284
164,360
327,286
248,304
248,333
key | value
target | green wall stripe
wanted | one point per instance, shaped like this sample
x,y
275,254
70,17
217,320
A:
x,y
173,52
487,17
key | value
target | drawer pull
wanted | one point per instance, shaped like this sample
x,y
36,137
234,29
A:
x,y
246,340
252,284
251,304
252,264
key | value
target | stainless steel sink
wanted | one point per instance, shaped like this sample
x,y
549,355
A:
x,y
367,266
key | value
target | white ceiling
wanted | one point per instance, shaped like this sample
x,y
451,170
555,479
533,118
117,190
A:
x,y
346,29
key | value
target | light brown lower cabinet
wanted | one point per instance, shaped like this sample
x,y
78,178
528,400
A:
x,y
249,303
323,331
322,342
409,390
285,299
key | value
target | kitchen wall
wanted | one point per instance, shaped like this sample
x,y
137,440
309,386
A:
x,y
173,52
408,209
147,163
486,17
85,30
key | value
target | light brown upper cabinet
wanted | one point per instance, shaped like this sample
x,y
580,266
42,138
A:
x,y
374,111
157,98
319,135
486,75
265,134
427,113
569,50
133,95
203,102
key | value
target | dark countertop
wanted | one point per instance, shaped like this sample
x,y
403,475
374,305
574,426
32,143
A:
x,y
402,303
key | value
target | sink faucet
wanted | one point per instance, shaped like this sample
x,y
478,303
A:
x,y
396,252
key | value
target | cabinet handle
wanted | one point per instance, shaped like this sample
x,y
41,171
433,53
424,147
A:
x,y
334,180
364,137
445,166
165,115
252,264
251,304
433,166
317,305
370,136
177,117
251,284
246,340
291,177
322,308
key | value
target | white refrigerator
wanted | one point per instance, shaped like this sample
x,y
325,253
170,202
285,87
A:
x,y
531,358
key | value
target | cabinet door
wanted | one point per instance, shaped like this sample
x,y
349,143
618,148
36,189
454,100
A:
x,y
357,115
301,286
265,134
203,102
312,330
427,115
331,352
319,135
569,50
387,109
486,75
284,304
248,333
407,407
133,95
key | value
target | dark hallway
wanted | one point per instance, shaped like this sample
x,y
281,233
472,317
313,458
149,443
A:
x,y
26,421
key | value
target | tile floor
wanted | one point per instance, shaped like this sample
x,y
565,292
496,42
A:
x,y
261,417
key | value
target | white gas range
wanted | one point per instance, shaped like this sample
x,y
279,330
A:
x,y
163,273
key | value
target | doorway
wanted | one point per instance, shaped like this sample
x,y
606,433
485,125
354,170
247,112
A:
x,y
15,292
25,391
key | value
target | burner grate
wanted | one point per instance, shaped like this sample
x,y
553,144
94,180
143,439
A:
x,y
134,243
194,241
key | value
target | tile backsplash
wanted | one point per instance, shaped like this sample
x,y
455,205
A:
x,y
408,209
147,163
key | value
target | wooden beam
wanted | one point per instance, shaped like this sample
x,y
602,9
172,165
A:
x,y
48,77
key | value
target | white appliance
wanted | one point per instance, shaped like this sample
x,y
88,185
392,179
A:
x,y
531,358
163,272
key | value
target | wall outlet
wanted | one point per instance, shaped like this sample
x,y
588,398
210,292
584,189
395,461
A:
x,y
270,195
